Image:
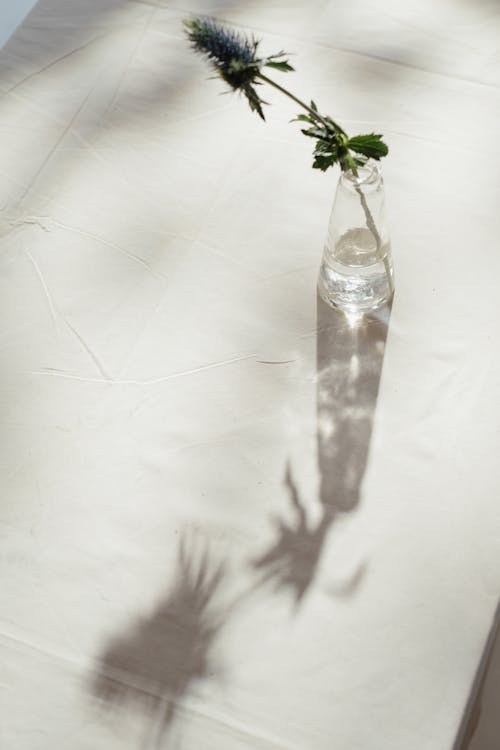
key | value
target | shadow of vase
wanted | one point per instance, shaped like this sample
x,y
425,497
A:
x,y
350,353
349,359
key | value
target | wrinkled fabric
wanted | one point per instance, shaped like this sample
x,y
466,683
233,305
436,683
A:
x,y
231,517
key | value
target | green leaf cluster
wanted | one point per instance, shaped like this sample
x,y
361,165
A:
x,y
333,146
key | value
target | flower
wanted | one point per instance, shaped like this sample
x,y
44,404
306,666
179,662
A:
x,y
233,56
222,46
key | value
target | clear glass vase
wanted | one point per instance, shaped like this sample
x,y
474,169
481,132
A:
x,y
356,271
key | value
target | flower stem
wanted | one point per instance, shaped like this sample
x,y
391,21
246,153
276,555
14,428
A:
x,y
370,221
302,104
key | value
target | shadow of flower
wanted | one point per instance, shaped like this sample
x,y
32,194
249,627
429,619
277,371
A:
x,y
292,560
157,661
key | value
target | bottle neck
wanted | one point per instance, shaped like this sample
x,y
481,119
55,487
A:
x,y
369,176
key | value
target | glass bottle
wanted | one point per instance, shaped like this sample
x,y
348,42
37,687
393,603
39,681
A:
x,y
356,272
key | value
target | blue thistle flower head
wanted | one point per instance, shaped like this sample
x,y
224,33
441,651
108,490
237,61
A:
x,y
233,56
223,47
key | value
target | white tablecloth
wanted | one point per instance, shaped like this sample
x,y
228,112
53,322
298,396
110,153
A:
x,y
229,518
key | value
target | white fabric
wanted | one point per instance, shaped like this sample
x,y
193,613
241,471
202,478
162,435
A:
x,y
230,520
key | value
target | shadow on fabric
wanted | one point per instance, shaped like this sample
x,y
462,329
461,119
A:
x,y
350,353
156,662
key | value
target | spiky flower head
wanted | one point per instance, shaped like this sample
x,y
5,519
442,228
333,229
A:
x,y
233,56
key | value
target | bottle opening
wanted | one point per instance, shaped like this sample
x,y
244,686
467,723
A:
x,y
368,174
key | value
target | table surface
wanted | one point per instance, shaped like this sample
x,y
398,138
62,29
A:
x,y
232,518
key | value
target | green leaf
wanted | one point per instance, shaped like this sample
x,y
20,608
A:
x,y
254,100
284,66
332,126
370,145
313,106
323,146
314,132
323,162
302,118
282,53
326,154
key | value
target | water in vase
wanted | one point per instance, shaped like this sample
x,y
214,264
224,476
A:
x,y
357,275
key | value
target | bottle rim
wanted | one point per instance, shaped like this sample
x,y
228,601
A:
x,y
368,174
